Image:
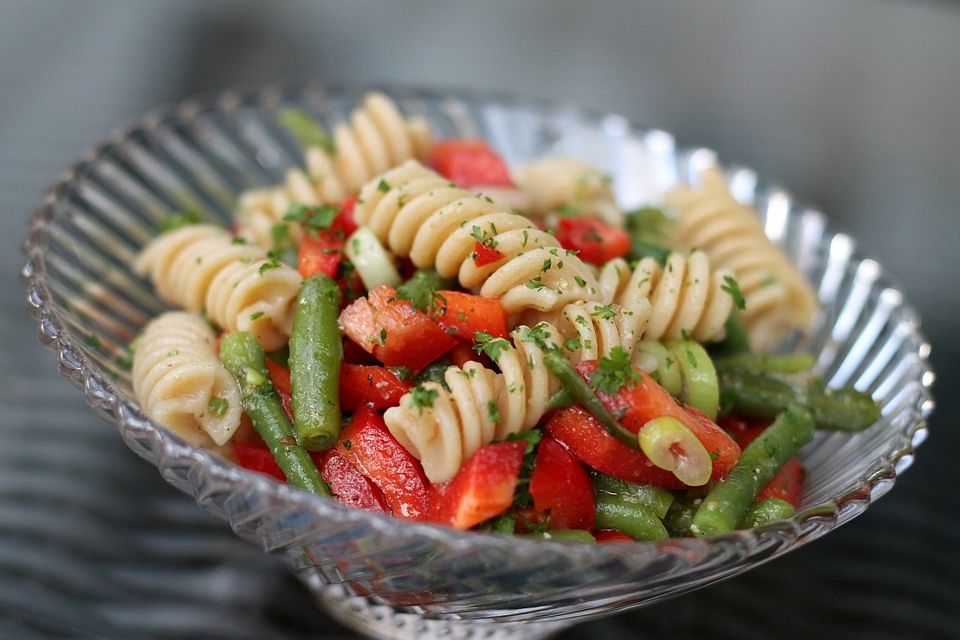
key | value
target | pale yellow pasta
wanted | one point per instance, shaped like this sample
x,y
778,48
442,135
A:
x,y
778,298
480,407
176,374
202,269
685,297
418,214
259,211
377,138
556,182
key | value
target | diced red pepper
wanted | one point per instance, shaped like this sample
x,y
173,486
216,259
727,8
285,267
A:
x,y
645,400
470,163
611,535
397,334
483,254
462,354
370,386
355,354
321,252
258,459
483,488
593,240
743,430
462,315
787,484
372,449
580,432
344,220
280,376
561,487
347,484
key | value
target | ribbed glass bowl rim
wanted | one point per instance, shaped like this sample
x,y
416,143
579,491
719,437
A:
x,y
102,394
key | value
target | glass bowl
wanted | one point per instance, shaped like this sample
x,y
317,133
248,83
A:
x,y
390,578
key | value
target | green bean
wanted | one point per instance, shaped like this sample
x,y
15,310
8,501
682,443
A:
x,y
421,289
562,535
656,499
635,520
736,341
767,363
667,373
561,368
242,356
315,355
679,516
764,512
757,396
698,375
560,399
759,462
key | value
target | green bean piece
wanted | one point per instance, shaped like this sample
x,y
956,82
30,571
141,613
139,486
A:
x,y
562,535
649,230
679,516
421,289
310,132
758,396
700,387
561,368
844,409
764,512
736,341
242,356
667,373
635,520
656,499
767,363
315,355
726,503
559,400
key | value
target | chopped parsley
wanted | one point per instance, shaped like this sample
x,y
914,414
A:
x,y
603,312
538,335
535,283
580,281
383,186
383,337
306,129
313,218
178,220
573,344
614,373
256,315
486,344
547,264
218,406
239,240
522,497
423,397
273,263
730,286
493,411
483,237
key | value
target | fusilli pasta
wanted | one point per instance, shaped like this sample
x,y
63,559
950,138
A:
x,y
555,182
418,214
685,297
180,383
201,268
778,298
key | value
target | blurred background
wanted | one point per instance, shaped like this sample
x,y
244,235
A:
x,y
850,103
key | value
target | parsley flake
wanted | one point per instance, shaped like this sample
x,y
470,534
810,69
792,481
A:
x,y
730,286
218,406
423,397
614,373
488,345
383,186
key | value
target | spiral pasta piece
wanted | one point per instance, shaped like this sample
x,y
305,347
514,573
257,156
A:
x,y
418,214
684,297
260,210
557,182
481,406
778,297
201,269
181,384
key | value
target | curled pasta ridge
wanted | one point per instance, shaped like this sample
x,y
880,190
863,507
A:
x,y
201,269
418,214
176,374
778,297
555,182
685,297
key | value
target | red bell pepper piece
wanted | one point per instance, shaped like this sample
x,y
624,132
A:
x,y
743,430
483,488
470,163
397,334
580,432
593,240
372,449
787,484
280,376
344,220
483,254
257,459
321,251
347,484
611,535
560,485
645,400
462,315
371,386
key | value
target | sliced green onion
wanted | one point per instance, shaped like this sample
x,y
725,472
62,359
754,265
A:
x,y
667,372
373,263
700,387
670,445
